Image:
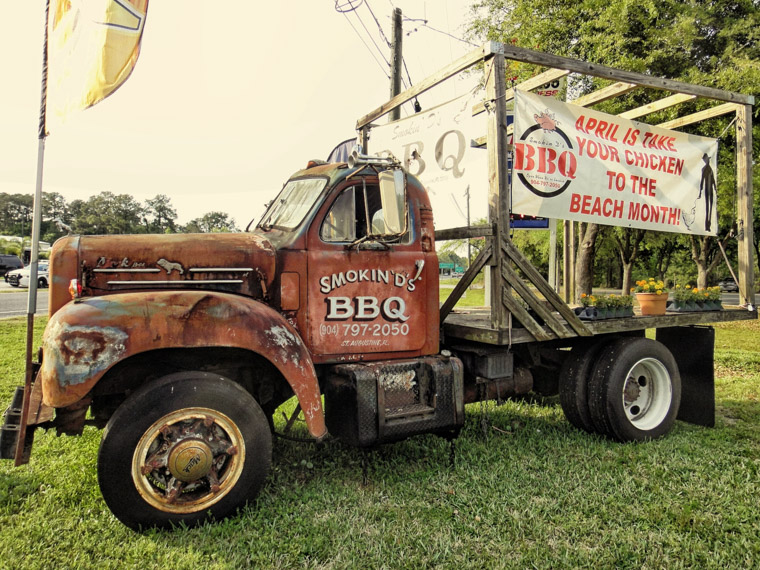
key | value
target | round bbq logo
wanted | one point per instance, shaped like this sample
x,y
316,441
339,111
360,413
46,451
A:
x,y
545,161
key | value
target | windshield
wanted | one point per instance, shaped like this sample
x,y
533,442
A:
x,y
293,203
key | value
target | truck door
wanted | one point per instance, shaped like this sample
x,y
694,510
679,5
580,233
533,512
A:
x,y
367,294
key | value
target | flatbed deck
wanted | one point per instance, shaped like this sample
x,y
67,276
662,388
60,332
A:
x,y
474,324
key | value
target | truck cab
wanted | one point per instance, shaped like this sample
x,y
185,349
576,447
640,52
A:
x,y
359,273
183,346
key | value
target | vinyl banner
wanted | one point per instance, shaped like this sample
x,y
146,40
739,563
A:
x,y
435,146
574,163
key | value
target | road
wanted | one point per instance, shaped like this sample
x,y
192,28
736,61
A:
x,y
13,304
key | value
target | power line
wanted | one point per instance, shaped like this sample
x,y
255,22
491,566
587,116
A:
x,y
371,38
379,27
426,25
369,49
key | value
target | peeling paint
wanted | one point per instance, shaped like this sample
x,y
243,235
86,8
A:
x,y
398,380
83,351
282,337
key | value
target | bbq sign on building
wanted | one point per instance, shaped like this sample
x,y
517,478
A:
x,y
577,164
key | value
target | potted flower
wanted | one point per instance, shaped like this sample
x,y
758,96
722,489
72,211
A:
x,y
587,310
682,299
613,306
626,305
602,307
712,302
651,295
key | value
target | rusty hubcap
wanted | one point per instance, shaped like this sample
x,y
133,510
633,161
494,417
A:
x,y
188,460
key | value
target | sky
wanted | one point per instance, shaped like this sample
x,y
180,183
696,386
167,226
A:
x,y
228,99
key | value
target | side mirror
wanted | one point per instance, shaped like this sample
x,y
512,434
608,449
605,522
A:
x,y
393,199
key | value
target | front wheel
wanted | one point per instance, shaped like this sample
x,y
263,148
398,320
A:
x,y
635,390
189,446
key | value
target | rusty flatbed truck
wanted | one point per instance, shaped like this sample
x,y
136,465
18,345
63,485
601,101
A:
x,y
183,346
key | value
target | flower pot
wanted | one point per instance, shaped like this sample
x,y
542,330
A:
x,y
652,303
587,313
679,306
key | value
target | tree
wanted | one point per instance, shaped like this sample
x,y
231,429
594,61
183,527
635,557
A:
x,y
584,261
627,241
107,213
658,252
213,222
164,217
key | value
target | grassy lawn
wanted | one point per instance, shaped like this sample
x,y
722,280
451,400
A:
x,y
473,297
526,490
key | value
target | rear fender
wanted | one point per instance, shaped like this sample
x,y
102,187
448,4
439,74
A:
x,y
84,339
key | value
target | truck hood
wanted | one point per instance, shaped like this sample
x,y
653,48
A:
x,y
242,263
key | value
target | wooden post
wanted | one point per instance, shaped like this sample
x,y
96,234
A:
x,y
573,257
566,276
553,280
498,191
396,62
744,202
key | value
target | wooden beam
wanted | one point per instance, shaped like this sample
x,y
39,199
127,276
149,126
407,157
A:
x,y
465,232
465,282
527,85
573,65
658,105
498,189
744,203
536,304
701,116
538,281
526,320
604,93
457,66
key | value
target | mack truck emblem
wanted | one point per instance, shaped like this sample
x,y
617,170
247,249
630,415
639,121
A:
x,y
170,266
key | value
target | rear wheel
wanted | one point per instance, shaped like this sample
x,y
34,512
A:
x,y
573,384
190,446
634,390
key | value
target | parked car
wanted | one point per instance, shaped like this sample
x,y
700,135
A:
x,y
728,284
20,277
9,262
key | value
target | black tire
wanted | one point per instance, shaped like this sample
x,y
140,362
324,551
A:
x,y
634,390
197,469
573,384
42,282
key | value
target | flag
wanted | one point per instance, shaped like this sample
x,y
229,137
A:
x,y
93,47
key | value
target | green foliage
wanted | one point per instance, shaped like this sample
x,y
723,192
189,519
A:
x,y
164,216
104,213
534,244
213,222
526,490
715,44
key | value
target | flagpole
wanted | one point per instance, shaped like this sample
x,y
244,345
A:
x,y
31,306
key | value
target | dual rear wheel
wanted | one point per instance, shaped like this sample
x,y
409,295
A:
x,y
628,389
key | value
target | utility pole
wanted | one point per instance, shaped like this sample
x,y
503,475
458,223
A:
x,y
396,61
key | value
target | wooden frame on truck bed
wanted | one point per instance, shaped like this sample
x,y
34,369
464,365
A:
x,y
555,320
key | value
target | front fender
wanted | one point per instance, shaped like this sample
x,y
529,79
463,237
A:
x,y
84,339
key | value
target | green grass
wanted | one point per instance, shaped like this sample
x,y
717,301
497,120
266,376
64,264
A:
x,y
526,490
473,297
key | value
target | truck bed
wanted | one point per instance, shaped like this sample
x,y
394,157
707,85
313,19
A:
x,y
474,324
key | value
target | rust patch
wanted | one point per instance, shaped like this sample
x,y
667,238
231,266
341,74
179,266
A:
x,y
81,351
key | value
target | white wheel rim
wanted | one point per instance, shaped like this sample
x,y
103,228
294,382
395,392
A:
x,y
647,394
